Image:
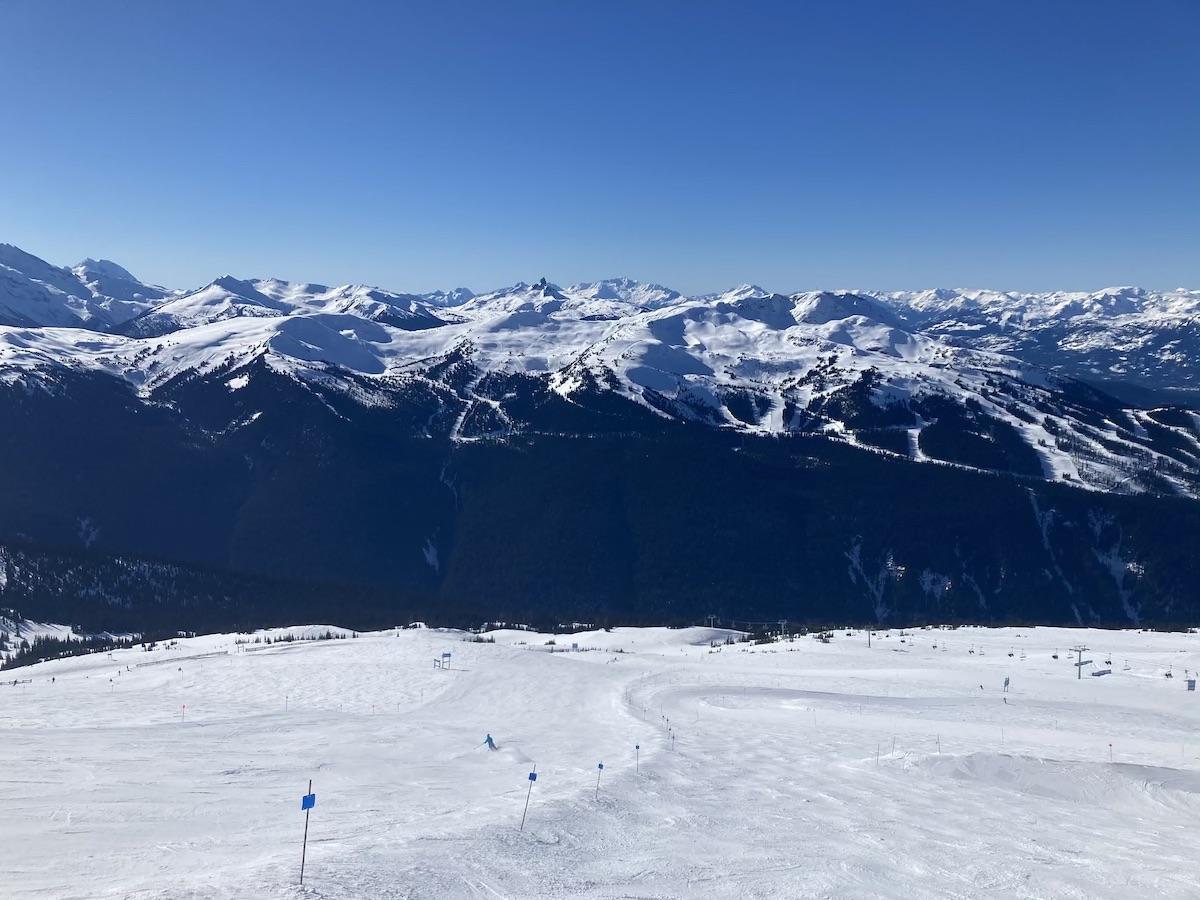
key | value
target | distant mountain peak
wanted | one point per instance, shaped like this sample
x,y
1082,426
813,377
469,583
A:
x,y
235,285
627,290
453,297
90,269
819,307
743,292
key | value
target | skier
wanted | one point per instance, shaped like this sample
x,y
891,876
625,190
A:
x,y
490,743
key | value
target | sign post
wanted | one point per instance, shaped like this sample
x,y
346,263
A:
x,y
637,764
599,772
532,779
307,802
445,660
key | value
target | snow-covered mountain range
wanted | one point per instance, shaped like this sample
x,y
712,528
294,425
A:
x,y
237,452
884,371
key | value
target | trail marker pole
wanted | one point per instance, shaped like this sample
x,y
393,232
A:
x,y
1110,756
532,779
307,802
183,713
285,702
637,762
599,772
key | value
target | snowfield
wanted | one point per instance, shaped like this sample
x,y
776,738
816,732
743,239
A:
x,y
798,769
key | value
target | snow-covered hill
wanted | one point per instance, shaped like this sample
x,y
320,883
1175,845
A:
x,y
18,634
887,372
230,298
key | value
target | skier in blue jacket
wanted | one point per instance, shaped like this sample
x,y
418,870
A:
x,y
490,743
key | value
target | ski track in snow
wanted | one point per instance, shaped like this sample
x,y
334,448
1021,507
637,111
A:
x,y
799,769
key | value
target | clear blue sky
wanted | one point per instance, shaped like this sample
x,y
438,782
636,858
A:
x,y
1014,144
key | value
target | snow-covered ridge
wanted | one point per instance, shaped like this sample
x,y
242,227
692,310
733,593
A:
x,y
96,294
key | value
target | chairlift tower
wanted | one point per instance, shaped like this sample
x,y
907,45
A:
x,y
1078,650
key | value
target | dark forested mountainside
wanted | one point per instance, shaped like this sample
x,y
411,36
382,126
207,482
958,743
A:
x,y
289,500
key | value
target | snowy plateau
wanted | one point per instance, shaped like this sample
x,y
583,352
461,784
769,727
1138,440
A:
x,y
816,767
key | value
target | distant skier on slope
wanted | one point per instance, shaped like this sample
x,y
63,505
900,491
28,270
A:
x,y
491,745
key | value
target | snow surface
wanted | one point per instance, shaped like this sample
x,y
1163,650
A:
x,y
799,769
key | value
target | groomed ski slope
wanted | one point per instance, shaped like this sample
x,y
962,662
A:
x,y
783,781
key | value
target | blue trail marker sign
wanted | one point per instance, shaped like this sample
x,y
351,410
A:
x,y
532,779
307,802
